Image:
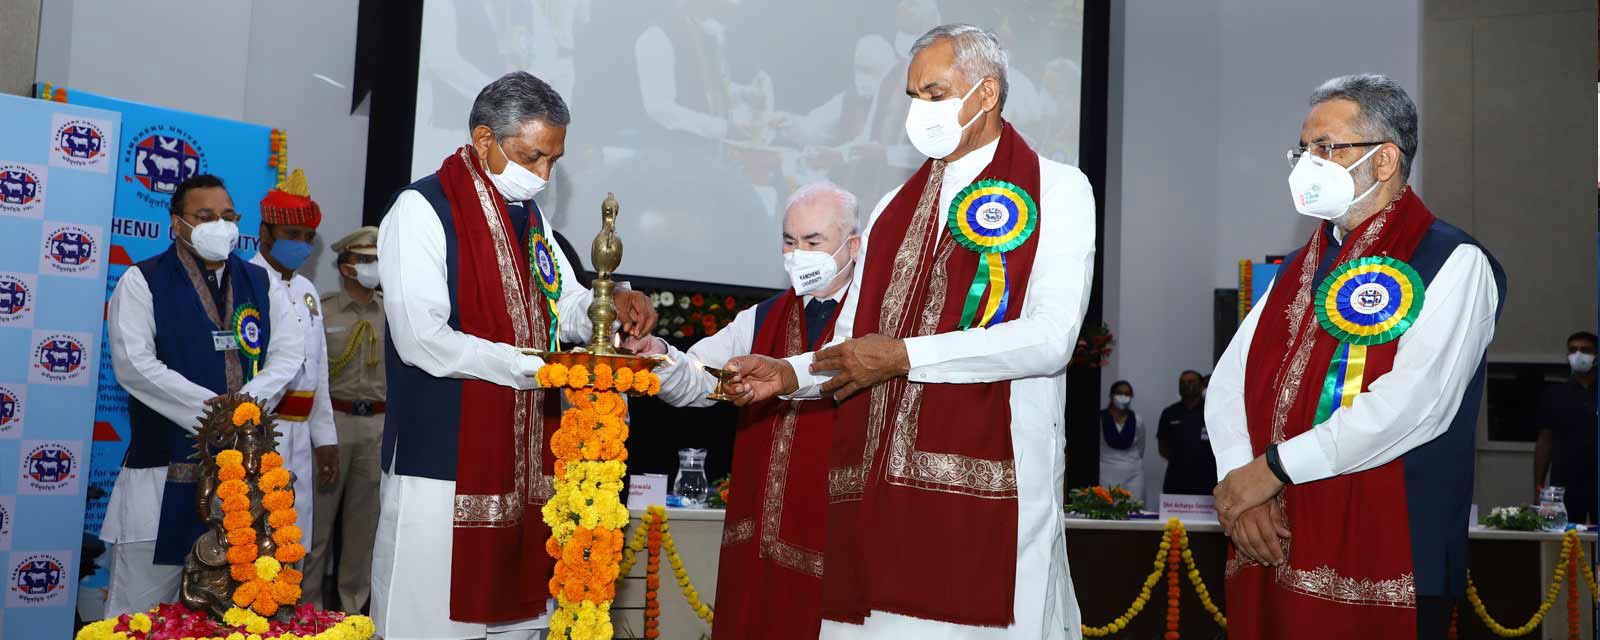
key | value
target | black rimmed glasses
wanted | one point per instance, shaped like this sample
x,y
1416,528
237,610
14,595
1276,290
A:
x,y
1325,150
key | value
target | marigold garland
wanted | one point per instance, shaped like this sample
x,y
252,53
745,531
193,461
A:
x,y
586,515
1174,548
1572,556
175,621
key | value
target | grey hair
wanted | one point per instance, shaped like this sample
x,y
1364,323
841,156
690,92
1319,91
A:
x,y
1387,113
848,211
509,103
978,53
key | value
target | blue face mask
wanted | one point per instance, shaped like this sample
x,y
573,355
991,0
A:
x,y
290,253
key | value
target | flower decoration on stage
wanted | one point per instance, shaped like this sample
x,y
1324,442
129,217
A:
x,y
654,535
991,217
718,498
1101,503
687,314
1364,302
1571,564
586,515
239,577
1174,548
1524,518
1094,347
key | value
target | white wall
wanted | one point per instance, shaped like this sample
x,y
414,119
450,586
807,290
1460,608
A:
x,y
257,62
1211,94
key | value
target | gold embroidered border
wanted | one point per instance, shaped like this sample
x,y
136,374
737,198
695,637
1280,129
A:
x,y
1326,584
527,417
797,558
739,532
785,553
846,484
942,472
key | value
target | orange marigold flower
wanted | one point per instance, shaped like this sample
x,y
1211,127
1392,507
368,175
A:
x,y
230,472
1121,492
574,590
558,375
229,457
543,377
285,594
231,487
653,582
552,546
272,460
655,385
278,500
624,378
641,381
245,413
242,535
275,479
1104,495
286,535
282,518
578,376
246,593
602,377
236,520
290,576
266,606
241,554
561,467
243,572
290,553
235,503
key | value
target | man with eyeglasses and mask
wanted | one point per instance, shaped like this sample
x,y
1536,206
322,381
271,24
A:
x,y
308,441
1347,402
460,549
769,578
949,366
225,326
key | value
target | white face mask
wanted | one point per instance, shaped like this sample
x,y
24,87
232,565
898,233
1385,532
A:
x,y
810,270
935,127
213,240
1324,189
516,182
367,274
1581,362
1121,401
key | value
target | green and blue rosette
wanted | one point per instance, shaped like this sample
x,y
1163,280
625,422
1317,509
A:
x,y
991,217
1363,302
547,271
247,332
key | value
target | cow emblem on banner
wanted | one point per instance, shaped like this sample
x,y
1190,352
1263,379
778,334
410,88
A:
x,y
60,358
21,189
11,411
16,299
81,140
165,156
69,250
50,465
38,579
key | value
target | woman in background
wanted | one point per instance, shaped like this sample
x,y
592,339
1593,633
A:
x,y
1121,442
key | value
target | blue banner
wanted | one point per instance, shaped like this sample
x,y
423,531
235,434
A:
x,y
58,168
158,149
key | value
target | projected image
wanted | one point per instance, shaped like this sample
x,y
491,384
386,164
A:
x,y
704,115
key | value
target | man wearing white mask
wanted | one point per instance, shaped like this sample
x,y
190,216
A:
x,y
1567,445
460,549
949,363
769,578
225,326
1347,402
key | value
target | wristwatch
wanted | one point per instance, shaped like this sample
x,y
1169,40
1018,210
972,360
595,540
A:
x,y
1275,464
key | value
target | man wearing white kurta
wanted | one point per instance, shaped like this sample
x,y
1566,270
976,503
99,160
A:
x,y
309,442
964,66
518,132
205,225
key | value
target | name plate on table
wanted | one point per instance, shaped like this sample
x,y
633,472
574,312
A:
x,y
1188,508
646,489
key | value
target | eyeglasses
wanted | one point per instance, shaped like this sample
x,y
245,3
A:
x,y
1325,150
211,216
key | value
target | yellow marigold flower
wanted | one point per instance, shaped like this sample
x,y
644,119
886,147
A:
x,y
267,568
246,412
272,460
578,377
236,617
229,457
257,624
236,636
139,622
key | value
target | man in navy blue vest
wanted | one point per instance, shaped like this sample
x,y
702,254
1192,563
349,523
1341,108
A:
x,y
186,326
